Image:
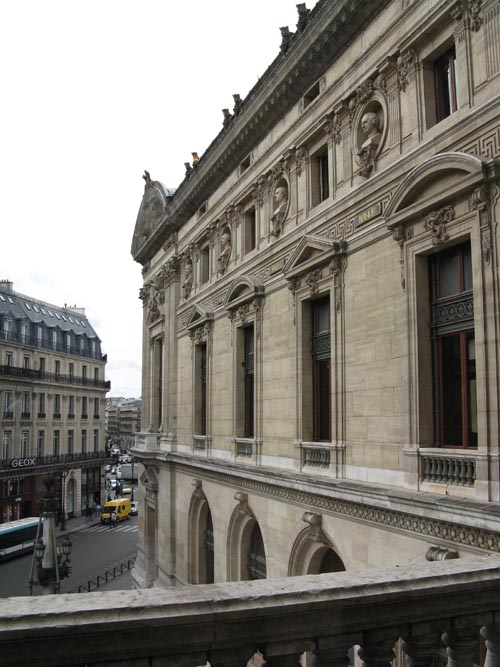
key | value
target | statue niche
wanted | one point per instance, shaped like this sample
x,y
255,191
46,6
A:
x,y
369,137
280,207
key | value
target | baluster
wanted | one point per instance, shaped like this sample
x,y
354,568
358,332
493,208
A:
x,y
491,634
446,471
463,472
460,646
456,472
428,468
230,657
433,470
439,470
420,650
334,651
471,472
377,650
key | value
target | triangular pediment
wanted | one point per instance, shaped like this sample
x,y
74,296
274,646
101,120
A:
x,y
199,315
152,212
311,251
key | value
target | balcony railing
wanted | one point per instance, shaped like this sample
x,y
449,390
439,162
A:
x,y
42,376
427,610
445,467
53,459
43,344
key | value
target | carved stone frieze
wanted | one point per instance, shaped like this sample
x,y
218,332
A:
x,y
412,523
436,222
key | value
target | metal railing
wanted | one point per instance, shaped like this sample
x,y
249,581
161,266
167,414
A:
x,y
98,580
44,344
57,459
42,376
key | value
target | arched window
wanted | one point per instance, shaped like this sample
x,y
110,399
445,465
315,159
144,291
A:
x,y
256,555
209,549
331,562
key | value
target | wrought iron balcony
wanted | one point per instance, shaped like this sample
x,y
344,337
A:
x,y
53,459
42,376
45,344
434,612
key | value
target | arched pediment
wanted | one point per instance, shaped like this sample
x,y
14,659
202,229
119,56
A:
x,y
151,212
199,314
442,177
310,252
242,290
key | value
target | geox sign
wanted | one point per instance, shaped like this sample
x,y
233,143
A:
x,y
23,463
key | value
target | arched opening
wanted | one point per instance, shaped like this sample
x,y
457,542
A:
x,y
326,560
256,559
207,560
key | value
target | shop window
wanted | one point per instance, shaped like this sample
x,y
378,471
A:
x,y
453,348
320,189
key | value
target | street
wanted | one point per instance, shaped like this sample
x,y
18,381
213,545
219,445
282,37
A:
x,y
95,548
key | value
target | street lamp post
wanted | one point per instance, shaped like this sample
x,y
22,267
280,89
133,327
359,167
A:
x,y
51,561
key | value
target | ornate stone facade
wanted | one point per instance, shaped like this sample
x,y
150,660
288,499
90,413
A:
x,y
299,360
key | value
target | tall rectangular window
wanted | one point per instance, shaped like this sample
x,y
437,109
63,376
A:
x,y
321,369
57,405
8,404
84,407
445,84
71,438
54,339
26,361
71,407
57,367
84,441
249,230
453,347
41,364
204,264
40,444
8,359
249,371
41,405
56,442
26,405
96,440
320,182
96,374
7,436
84,373
24,444
71,370
200,389
96,408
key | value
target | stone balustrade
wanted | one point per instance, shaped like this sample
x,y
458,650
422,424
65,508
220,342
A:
x,y
443,604
448,468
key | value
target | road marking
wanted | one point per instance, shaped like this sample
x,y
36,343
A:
x,y
120,529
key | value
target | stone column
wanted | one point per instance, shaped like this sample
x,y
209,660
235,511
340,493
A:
x,y
334,651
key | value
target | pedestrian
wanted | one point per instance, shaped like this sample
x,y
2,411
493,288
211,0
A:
x,y
88,515
112,520
98,510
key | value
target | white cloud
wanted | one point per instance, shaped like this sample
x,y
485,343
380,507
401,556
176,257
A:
x,y
94,92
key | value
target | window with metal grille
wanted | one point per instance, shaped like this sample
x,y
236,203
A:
x,y
453,348
320,344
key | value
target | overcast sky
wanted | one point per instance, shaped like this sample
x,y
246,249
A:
x,y
93,92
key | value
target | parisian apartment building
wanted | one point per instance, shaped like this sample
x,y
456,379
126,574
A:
x,y
53,394
123,421
321,297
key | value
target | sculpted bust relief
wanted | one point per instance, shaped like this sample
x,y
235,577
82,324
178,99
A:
x,y
225,254
366,152
280,207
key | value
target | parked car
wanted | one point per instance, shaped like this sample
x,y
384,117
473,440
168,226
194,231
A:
x,y
134,507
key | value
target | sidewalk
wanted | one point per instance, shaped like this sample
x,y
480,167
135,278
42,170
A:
x,y
122,582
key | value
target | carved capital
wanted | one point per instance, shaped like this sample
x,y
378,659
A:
x,y
243,507
405,62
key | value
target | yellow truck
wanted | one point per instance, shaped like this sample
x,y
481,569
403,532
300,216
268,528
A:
x,y
121,507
